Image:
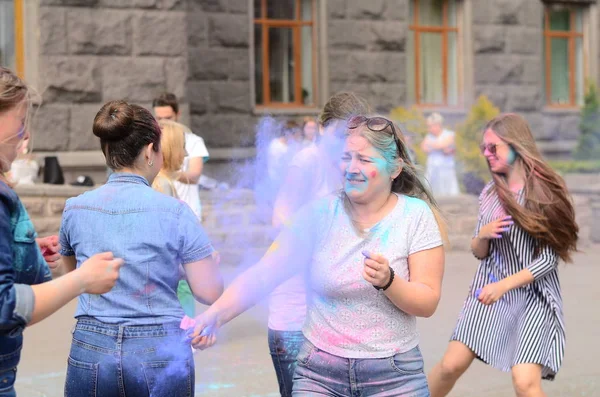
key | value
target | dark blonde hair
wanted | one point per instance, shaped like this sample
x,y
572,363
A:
x,y
548,214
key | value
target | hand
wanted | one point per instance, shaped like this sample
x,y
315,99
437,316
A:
x,y
376,269
204,334
491,293
495,228
50,247
99,273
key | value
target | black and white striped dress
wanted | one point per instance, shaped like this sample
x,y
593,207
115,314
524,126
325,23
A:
x,y
526,325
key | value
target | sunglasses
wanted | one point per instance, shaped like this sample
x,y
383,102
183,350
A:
x,y
491,147
376,124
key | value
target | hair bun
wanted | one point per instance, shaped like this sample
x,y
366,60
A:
x,y
114,121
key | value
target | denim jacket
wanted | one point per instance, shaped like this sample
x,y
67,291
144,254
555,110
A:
x,y
21,265
152,232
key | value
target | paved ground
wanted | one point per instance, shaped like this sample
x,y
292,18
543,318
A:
x,y
240,365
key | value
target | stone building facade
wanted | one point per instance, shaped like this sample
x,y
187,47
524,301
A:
x,y
82,53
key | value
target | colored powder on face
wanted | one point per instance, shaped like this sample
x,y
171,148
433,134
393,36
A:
x,y
373,174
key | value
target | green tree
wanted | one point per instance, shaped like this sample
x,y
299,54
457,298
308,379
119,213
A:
x,y
414,126
588,146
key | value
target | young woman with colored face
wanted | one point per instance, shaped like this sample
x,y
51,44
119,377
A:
x,y
512,318
373,260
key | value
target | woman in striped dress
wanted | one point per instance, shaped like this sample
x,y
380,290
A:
x,y
512,318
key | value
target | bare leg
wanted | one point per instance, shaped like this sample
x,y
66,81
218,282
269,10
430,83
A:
x,y
443,376
527,380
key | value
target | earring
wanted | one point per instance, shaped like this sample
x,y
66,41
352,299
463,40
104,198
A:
x,y
150,163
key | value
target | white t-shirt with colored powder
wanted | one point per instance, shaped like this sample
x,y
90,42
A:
x,y
347,316
190,193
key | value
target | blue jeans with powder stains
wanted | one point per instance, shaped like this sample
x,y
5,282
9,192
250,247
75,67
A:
x,y
284,347
143,360
319,373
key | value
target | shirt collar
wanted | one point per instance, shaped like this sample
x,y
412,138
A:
x,y
125,177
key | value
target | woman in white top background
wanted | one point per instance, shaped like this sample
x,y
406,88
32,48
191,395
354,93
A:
x,y
441,166
374,260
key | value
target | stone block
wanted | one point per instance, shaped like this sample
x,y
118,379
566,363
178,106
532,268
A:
x,y
53,31
489,39
197,28
464,225
533,71
56,206
507,12
498,69
535,120
229,220
338,62
337,9
396,10
389,36
176,73
550,130
225,130
497,95
368,67
70,79
198,94
481,13
360,9
67,3
102,32
350,35
361,89
81,123
46,226
227,30
525,98
219,64
533,14
34,205
128,3
230,96
229,6
569,126
525,41
138,79
386,96
459,243
50,130
160,33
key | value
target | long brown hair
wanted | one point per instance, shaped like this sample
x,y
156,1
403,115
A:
x,y
548,214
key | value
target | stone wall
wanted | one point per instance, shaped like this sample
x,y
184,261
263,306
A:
x,y
231,219
93,51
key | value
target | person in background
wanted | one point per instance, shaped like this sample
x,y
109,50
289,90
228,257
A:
x,y
440,148
172,143
310,131
27,292
133,333
166,106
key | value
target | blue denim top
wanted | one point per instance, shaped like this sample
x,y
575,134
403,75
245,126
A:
x,y
21,265
152,232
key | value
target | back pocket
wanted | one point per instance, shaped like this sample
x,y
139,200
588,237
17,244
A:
x,y
169,378
82,379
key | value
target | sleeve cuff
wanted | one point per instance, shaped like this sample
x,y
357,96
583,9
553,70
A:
x,y
25,300
198,255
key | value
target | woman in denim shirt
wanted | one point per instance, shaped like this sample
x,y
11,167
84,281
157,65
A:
x,y
26,293
128,341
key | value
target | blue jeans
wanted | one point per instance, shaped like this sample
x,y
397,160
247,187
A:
x,y
143,360
322,374
284,347
7,383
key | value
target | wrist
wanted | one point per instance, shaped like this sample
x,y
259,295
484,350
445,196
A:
x,y
389,282
80,281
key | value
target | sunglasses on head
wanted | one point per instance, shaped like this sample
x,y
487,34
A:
x,y
375,124
491,147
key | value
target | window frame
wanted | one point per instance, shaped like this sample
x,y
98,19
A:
x,y
18,38
296,25
572,36
444,30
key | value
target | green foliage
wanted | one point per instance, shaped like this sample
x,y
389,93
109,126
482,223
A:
x,y
413,126
469,135
588,147
579,166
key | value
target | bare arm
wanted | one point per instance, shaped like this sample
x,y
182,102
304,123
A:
x,y
194,171
420,296
205,280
